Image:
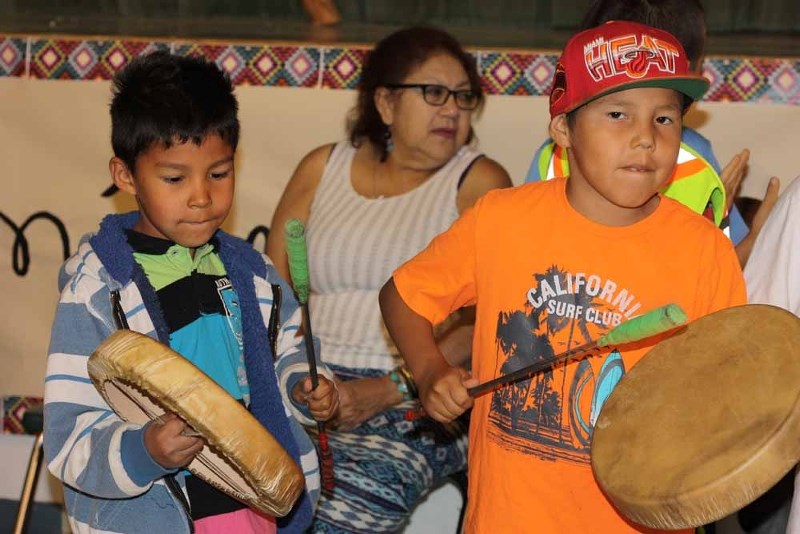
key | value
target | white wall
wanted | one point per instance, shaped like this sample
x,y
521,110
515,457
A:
x,y
54,150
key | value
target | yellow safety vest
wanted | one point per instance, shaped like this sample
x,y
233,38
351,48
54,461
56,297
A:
x,y
694,182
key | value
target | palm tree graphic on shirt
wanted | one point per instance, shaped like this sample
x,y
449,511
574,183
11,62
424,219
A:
x,y
551,414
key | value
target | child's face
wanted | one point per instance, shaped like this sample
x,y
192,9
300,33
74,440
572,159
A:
x,y
184,192
622,150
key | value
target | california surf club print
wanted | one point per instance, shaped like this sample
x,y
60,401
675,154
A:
x,y
551,415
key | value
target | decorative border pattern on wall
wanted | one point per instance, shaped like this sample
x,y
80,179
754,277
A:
x,y
14,408
762,79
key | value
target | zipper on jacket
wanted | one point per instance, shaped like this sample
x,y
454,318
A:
x,y
275,319
172,485
117,312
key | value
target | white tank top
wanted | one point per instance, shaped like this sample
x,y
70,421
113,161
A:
x,y
354,245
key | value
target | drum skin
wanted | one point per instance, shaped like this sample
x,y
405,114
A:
x,y
706,422
141,379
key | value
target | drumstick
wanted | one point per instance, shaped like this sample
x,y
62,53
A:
x,y
294,233
650,324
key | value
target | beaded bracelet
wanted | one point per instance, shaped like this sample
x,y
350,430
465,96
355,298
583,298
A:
x,y
409,379
400,382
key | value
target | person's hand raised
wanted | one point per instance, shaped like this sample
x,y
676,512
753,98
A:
x,y
732,176
745,246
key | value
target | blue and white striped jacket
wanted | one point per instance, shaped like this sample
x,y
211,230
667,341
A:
x,y
110,482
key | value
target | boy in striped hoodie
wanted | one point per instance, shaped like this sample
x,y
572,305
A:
x,y
169,272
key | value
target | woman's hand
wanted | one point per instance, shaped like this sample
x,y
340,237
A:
x,y
364,398
167,444
445,395
322,401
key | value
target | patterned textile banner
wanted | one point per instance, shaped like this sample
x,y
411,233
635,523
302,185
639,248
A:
x,y
520,73
14,408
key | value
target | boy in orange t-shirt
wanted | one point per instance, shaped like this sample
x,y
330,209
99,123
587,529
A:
x,y
552,265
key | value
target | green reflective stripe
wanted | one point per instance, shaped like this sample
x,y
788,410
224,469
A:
x,y
696,190
545,163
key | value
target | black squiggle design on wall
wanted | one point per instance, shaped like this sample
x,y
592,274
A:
x,y
20,251
257,231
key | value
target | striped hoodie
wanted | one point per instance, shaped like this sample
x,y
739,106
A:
x,y
110,482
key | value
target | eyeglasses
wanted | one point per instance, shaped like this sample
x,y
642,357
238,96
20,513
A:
x,y
437,95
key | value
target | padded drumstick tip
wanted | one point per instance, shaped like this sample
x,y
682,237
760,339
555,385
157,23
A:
x,y
294,233
650,324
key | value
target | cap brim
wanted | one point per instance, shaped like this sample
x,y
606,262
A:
x,y
692,86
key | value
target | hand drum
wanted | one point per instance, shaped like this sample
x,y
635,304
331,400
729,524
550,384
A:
x,y
140,379
706,422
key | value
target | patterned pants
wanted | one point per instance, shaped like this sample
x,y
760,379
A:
x,y
385,466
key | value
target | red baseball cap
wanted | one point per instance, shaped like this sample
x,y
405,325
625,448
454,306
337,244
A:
x,y
620,55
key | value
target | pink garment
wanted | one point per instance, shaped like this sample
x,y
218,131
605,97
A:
x,y
244,521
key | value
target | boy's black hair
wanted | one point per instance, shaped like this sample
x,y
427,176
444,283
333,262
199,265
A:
x,y
163,99
685,19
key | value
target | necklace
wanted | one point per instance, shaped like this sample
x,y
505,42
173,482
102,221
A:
x,y
375,181
402,181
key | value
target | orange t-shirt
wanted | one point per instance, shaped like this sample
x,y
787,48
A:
x,y
546,279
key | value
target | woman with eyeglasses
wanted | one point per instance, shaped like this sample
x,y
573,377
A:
x,y
369,203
